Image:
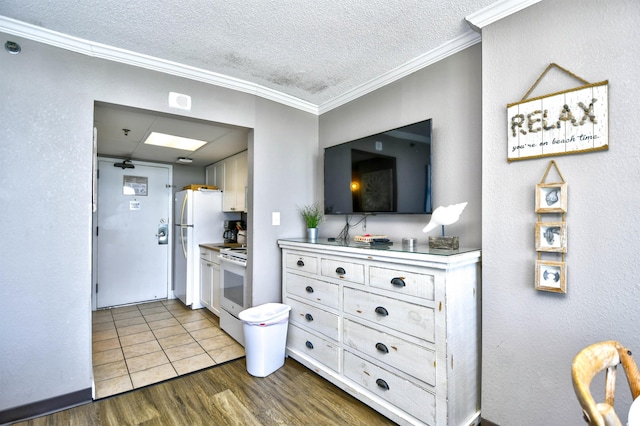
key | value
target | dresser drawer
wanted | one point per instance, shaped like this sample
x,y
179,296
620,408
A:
x,y
311,289
300,262
409,283
316,319
405,317
348,271
408,357
322,350
402,393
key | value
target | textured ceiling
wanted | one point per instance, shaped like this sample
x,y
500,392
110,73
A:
x,y
316,54
311,50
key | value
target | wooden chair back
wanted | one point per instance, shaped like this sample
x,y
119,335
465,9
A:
x,y
603,356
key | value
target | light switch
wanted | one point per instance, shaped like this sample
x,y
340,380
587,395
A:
x,y
275,218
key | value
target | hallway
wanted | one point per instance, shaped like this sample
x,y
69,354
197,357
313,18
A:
x,y
138,345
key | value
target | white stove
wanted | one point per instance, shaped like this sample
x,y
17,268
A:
x,y
237,254
235,291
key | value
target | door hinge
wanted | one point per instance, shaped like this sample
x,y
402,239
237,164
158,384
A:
x,y
97,232
96,287
98,174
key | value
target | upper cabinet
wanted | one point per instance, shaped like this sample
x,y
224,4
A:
x,y
231,176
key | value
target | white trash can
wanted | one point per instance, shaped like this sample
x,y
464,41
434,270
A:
x,y
265,337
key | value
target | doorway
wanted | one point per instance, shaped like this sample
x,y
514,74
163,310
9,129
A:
x,y
145,337
120,133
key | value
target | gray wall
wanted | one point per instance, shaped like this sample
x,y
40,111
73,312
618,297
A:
x,y
283,169
45,188
530,337
449,92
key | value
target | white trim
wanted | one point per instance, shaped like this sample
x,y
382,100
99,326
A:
x,y
454,46
496,11
110,53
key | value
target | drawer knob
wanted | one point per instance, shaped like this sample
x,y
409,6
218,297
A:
x,y
398,282
308,317
382,384
309,344
382,311
381,347
340,270
300,263
309,289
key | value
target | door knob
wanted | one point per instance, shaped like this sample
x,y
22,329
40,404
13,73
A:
x,y
163,234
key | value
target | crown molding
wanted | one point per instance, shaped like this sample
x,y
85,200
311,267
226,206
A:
x,y
497,11
477,21
110,53
451,47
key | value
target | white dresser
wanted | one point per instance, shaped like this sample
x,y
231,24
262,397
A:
x,y
399,330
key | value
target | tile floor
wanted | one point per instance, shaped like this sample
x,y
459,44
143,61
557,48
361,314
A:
x,y
138,345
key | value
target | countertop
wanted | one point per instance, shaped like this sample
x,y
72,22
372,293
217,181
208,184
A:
x,y
218,246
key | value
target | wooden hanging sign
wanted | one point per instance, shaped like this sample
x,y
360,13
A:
x,y
573,121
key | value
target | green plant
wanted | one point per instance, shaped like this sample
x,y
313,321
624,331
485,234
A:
x,y
312,214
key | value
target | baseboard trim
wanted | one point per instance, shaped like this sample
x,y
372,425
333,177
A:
x,y
485,422
46,406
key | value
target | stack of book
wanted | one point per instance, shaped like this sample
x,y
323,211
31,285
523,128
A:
x,y
372,240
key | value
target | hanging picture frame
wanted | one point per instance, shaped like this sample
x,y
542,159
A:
x,y
551,276
551,198
551,237
573,121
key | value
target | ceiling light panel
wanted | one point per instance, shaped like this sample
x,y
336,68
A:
x,y
171,141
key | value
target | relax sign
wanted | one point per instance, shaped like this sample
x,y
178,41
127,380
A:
x,y
569,122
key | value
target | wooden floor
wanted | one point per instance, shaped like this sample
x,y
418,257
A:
x,y
226,395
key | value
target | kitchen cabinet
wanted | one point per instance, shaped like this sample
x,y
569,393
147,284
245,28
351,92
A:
x,y
214,174
210,280
231,177
399,330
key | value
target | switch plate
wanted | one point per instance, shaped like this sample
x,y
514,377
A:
x,y
275,218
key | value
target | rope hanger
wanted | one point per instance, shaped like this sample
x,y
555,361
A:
x,y
582,80
544,177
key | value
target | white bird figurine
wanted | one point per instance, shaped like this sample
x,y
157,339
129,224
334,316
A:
x,y
444,216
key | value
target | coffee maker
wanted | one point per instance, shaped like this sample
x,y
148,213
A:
x,y
230,234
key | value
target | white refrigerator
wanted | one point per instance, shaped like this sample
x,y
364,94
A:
x,y
198,219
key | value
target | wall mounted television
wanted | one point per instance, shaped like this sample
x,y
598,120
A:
x,y
385,173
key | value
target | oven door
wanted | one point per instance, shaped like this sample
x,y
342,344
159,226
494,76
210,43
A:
x,y
234,295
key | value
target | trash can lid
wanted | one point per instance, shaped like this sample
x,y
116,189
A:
x,y
265,314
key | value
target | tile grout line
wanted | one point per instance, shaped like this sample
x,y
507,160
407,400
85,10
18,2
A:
x,y
165,306
198,341
157,341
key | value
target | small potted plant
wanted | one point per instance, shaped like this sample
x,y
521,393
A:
x,y
313,216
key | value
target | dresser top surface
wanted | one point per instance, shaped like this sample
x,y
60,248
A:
x,y
396,247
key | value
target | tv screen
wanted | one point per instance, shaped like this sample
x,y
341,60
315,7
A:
x,y
385,173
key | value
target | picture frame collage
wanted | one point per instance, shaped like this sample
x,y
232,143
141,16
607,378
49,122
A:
x,y
551,236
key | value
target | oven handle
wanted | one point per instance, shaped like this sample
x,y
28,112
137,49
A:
x,y
234,262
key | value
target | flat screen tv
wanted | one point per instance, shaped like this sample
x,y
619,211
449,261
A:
x,y
385,173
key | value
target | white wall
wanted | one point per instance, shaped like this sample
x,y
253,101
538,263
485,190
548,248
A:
x,y
45,188
530,337
449,92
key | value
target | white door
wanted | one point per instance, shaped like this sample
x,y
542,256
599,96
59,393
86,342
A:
x,y
133,250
